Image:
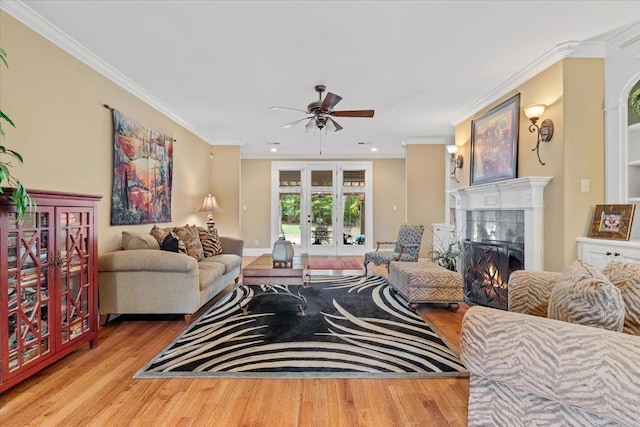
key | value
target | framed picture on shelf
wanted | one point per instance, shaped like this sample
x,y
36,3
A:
x,y
612,222
494,143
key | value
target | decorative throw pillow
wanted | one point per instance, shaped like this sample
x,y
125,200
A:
x,y
131,240
626,277
210,243
172,243
191,238
585,296
160,233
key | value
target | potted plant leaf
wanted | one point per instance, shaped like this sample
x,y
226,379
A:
x,y
19,194
448,255
634,101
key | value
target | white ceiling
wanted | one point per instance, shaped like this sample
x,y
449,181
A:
x,y
219,66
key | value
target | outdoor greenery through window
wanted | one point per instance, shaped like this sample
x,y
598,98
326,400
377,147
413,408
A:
x,y
327,206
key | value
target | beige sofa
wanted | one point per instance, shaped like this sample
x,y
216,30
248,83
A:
x,y
153,281
529,370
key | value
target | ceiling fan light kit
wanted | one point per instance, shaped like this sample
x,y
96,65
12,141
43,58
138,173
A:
x,y
321,112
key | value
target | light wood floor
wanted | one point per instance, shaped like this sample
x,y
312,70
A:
x,y
96,388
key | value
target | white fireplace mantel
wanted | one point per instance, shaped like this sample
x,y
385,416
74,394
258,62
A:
x,y
526,193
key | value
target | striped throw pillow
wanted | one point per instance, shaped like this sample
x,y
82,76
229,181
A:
x,y
210,243
626,277
585,296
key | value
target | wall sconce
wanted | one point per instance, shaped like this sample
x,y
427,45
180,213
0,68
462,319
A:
x,y
544,131
210,205
456,161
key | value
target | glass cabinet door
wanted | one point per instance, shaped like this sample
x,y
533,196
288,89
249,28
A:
x,y
74,273
29,285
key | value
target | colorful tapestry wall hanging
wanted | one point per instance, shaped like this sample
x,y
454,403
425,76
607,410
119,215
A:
x,y
142,173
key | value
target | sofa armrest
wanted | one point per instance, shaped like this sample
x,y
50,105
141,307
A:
x,y
232,245
529,291
584,369
146,260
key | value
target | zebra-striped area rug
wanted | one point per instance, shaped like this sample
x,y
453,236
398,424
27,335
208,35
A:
x,y
353,327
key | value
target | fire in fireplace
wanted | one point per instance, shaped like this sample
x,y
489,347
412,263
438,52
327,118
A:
x,y
487,266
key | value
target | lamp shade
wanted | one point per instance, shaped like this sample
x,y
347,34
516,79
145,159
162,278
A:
x,y
310,126
452,149
210,205
534,110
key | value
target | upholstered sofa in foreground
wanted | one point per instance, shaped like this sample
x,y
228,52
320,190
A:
x,y
577,368
154,281
531,371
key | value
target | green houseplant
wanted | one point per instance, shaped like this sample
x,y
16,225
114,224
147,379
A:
x,y
19,195
634,101
447,257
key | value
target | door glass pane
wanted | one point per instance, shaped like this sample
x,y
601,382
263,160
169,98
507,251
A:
x,y
290,188
321,219
353,178
353,219
321,178
353,216
290,217
290,178
321,207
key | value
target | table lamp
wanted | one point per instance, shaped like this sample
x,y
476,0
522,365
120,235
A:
x,y
210,205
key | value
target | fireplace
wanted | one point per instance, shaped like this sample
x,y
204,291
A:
x,y
487,266
501,225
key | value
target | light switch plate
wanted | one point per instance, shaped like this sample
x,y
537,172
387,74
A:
x,y
585,185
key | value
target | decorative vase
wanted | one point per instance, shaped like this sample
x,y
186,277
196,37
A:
x,y
282,254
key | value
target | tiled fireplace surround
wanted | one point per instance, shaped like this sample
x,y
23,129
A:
x,y
503,213
521,194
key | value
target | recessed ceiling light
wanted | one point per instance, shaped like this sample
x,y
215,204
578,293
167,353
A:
x,y
273,149
374,149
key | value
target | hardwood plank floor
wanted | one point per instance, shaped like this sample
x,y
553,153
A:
x,y
96,388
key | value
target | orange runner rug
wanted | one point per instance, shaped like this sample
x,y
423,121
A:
x,y
332,263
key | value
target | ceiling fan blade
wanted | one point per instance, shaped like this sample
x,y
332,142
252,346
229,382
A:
x,y
287,109
353,113
338,127
296,123
330,101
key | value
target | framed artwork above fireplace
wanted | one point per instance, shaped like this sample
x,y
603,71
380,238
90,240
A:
x,y
494,143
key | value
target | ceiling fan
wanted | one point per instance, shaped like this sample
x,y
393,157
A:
x,y
321,111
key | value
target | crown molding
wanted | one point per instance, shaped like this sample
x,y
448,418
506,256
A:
x,y
626,38
572,49
46,29
428,140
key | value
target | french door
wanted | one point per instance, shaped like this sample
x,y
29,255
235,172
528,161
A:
x,y
323,208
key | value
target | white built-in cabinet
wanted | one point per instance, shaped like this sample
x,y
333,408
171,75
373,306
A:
x,y
599,252
622,145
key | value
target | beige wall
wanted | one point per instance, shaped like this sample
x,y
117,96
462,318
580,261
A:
x,y
425,189
65,134
389,190
573,89
255,189
225,186
584,146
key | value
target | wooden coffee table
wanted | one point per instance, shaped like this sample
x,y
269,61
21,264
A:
x,y
276,279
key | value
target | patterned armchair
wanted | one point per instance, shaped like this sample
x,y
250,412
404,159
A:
x,y
407,247
526,368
